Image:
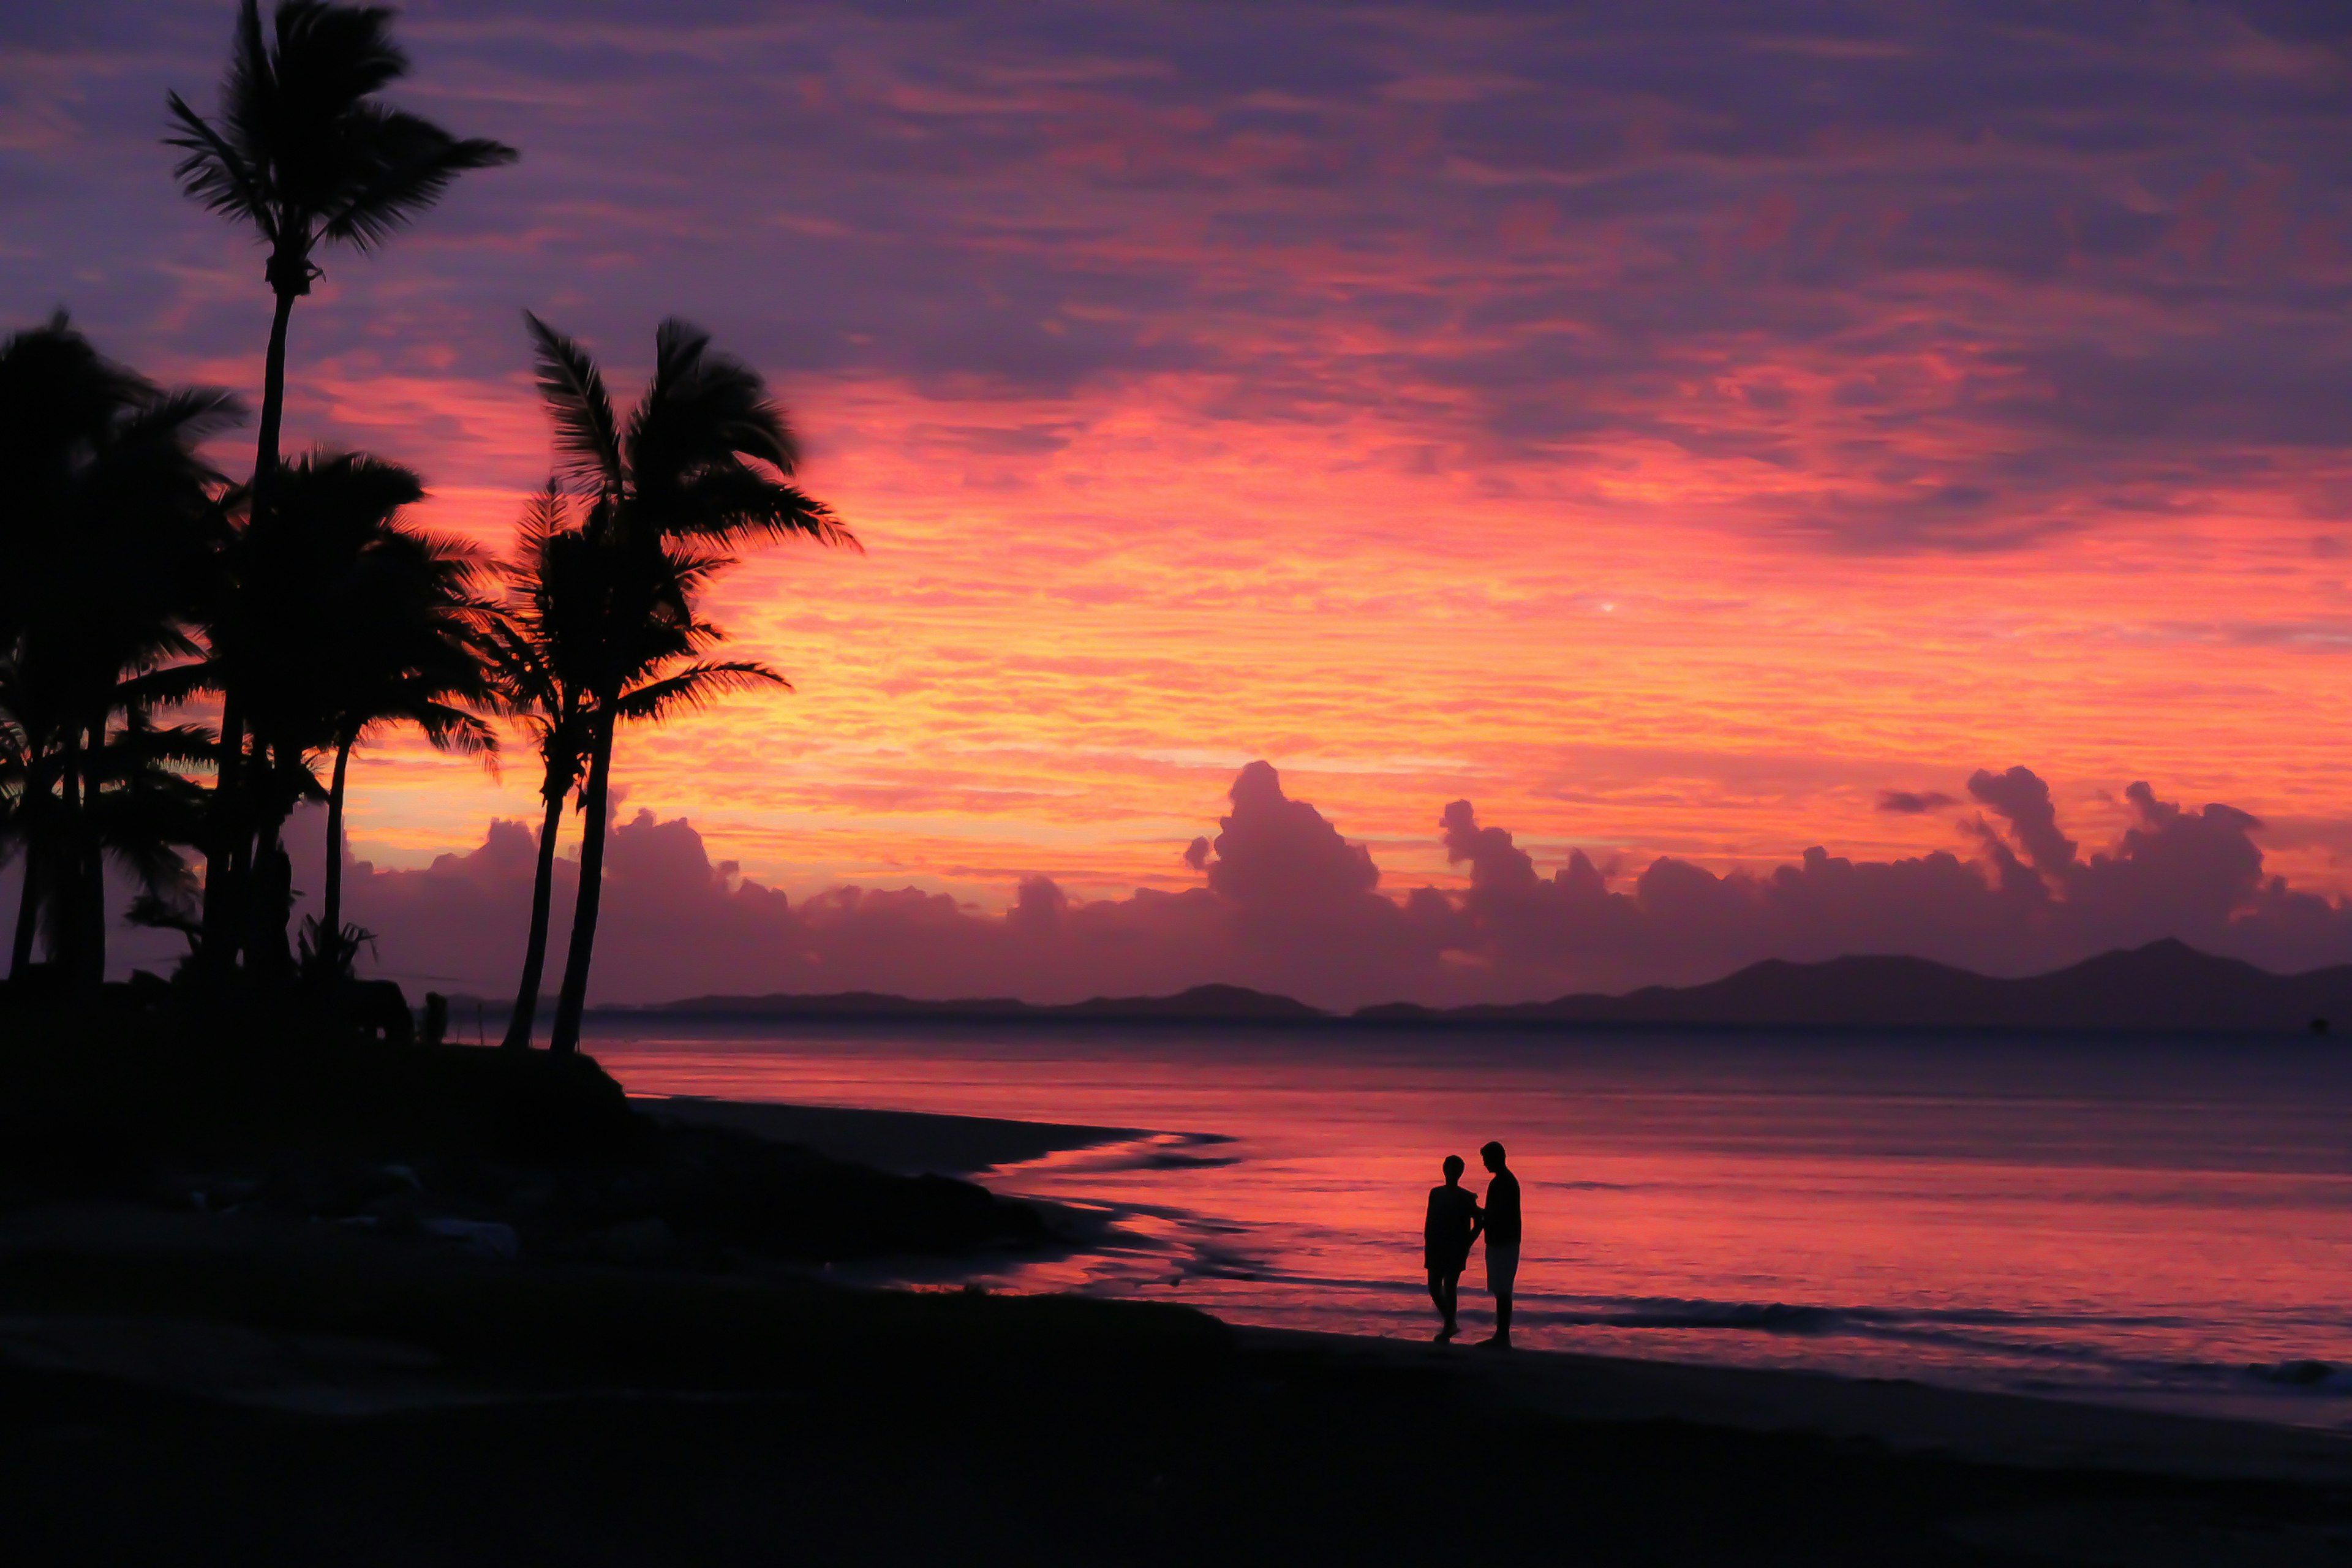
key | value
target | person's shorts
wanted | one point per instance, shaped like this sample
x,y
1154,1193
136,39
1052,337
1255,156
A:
x,y
1502,1267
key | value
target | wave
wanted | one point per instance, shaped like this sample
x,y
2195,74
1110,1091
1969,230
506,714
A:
x,y
1151,1151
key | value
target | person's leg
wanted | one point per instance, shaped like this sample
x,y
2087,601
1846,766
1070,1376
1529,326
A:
x,y
1437,1296
1502,1278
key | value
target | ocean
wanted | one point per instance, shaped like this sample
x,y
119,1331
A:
x,y
2158,1221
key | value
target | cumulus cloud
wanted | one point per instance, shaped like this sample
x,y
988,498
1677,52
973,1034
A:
x,y
2023,800
1287,903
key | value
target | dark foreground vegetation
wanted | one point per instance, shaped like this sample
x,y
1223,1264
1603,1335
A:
x,y
146,1098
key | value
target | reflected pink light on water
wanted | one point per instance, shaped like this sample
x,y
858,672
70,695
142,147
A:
x,y
2132,1223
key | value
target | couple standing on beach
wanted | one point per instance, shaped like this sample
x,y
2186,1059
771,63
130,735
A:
x,y
1456,1221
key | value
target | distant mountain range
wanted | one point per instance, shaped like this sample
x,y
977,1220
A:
x,y
2164,986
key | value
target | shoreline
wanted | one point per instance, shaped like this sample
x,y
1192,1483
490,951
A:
x,y
185,1359
1989,1425
195,1350
272,1391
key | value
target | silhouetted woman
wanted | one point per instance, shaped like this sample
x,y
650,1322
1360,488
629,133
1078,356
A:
x,y
1446,1236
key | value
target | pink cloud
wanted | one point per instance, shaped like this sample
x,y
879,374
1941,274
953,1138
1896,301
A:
x,y
1287,903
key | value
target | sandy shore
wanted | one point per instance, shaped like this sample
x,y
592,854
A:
x,y
1909,1418
194,1386
185,1387
1995,1428
208,1358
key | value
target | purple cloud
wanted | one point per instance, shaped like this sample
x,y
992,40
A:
x,y
1954,266
1287,904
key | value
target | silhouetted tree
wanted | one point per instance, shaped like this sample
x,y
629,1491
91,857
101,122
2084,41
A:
x,y
553,639
335,620
303,153
705,460
403,647
541,650
105,543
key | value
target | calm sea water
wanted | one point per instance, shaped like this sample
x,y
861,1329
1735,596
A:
x,y
2146,1221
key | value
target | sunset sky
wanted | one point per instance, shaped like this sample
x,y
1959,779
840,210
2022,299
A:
x,y
1669,427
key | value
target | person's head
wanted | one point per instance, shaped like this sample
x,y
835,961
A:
x,y
1453,1168
1491,1156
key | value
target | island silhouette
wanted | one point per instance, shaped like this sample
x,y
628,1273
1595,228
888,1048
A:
x,y
2163,985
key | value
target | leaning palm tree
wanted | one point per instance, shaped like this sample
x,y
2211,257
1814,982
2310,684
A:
x,y
540,646
304,153
550,642
705,459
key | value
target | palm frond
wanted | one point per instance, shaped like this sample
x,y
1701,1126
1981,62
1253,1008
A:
x,y
693,687
189,744
335,54
453,730
216,174
409,162
729,500
573,389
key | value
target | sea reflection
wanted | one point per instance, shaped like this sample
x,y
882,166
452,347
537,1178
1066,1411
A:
x,y
2147,1221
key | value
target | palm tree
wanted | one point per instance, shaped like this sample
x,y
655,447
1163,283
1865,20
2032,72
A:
x,y
405,649
336,620
706,459
304,153
548,645
540,646
104,548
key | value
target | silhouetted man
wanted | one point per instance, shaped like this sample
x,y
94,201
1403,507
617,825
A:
x,y
1445,1238
1502,1226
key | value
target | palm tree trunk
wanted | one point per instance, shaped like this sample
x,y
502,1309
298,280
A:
x,y
28,908
525,1014
90,941
65,873
273,399
220,917
224,867
564,1038
330,919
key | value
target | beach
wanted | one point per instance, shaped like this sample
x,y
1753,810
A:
x,y
2150,1222
279,1391
1902,1414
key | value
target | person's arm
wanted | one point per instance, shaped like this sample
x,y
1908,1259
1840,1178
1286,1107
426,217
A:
x,y
1477,1222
